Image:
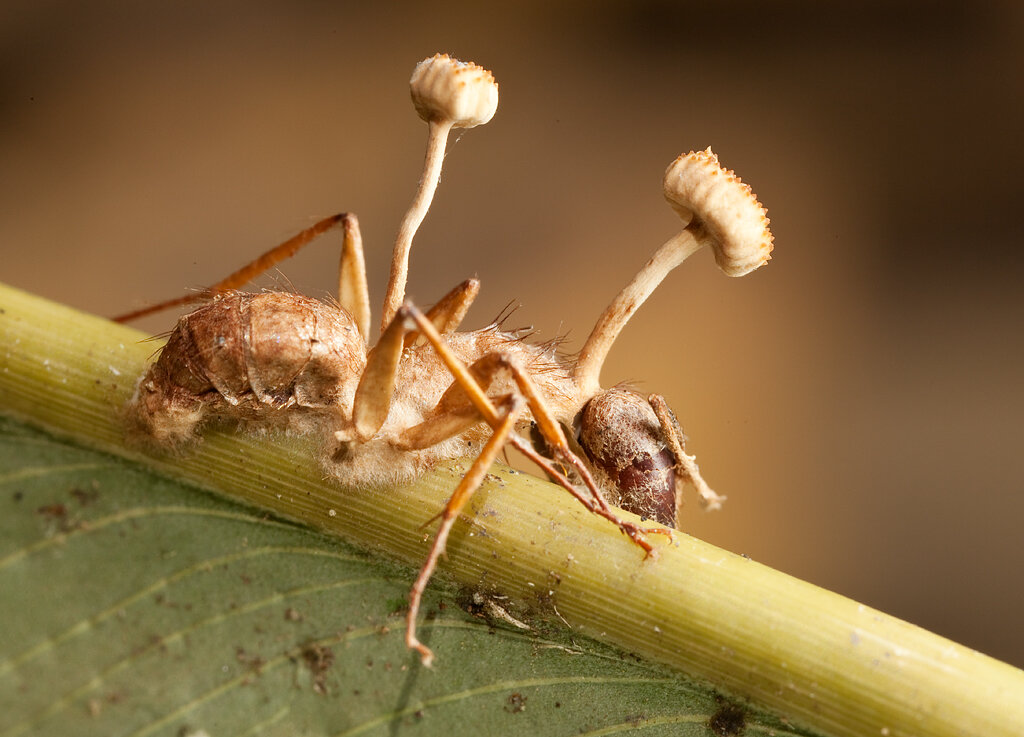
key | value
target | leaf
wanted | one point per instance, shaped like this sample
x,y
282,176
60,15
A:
x,y
766,638
134,605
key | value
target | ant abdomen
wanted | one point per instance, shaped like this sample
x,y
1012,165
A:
x,y
622,437
248,356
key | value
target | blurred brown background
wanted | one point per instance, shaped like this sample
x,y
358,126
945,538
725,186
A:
x,y
859,400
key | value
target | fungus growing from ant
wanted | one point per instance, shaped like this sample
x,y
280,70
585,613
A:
x,y
425,392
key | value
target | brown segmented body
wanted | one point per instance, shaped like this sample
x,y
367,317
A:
x,y
276,357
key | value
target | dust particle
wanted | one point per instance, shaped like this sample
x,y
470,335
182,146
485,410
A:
x,y
85,497
730,720
319,660
516,703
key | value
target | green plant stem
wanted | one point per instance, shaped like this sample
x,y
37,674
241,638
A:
x,y
813,657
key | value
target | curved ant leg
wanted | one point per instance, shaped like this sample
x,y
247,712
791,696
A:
x,y
448,313
377,383
352,290
450,422
709,500
438,427
594,501
509,410
470,385
449,418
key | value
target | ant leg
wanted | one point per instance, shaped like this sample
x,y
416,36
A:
x,y
438,427
451,422
709,500
594,502
448,419
352,273
353,292
377,384
448,313
471,383
469,484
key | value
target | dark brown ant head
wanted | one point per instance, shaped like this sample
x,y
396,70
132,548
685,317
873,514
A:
x,y
623,439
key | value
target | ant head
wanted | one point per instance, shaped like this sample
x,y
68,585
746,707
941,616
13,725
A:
x,y
624,440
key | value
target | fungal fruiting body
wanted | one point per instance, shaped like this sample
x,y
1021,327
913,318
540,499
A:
x,y
460,93
701,191
425,392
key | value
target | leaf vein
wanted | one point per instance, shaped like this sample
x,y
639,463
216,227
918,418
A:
x,y
100,678
132,514
203,566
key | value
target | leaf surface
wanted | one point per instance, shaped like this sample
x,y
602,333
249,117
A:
x,y
135,605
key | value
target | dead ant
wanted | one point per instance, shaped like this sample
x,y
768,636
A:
x,y
424,392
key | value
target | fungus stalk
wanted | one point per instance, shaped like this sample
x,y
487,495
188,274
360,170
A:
x,y
437,139
447,93
720,211
672,253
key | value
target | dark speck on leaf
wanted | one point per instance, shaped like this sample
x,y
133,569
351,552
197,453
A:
x,y
516,703
729,721
53,511
85,497
319,660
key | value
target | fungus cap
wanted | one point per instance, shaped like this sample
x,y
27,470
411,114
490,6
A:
x,y
446,89
698,188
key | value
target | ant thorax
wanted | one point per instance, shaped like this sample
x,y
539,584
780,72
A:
x,y
426,393
421,380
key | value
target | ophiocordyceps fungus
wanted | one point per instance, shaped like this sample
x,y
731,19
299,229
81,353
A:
x,y
453,93
716,201
390,412
721,212
447,93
